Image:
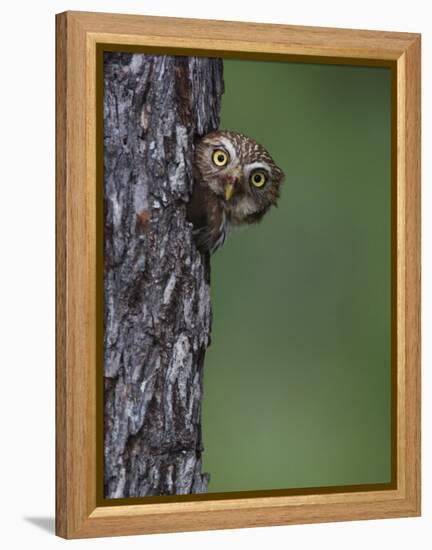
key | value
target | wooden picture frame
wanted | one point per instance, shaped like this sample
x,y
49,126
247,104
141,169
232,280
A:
x,y
79,38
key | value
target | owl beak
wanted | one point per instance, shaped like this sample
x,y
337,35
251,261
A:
x,y
229,188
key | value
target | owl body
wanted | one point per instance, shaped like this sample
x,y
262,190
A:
x,y
236,181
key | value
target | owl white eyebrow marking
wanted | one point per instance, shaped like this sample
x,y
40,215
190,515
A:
x,y
226,144
255,165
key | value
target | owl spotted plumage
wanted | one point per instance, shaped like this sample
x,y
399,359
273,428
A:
x,y
235,182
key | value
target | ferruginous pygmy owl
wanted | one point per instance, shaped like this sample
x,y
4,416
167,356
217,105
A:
x,y
235,182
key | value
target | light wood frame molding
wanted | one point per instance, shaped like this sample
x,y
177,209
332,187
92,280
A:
x,y
78,34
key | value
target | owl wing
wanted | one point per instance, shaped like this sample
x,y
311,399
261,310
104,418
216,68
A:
x,y
209,221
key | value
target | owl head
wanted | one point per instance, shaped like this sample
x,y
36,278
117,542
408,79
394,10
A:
x,y
240,173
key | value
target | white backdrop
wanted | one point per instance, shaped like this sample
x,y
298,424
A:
x,y
27,270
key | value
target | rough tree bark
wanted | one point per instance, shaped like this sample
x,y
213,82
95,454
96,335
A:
x,y
157,311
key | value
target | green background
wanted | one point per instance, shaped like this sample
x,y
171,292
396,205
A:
x,y
298,377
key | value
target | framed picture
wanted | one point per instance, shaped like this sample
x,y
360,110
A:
x,y
238,275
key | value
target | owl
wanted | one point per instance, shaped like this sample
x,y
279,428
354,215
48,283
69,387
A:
x,y
235,182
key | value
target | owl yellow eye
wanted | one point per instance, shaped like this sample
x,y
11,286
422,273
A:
x,y
258,179
220,158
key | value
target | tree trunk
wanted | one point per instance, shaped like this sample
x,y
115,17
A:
x,y
157,311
